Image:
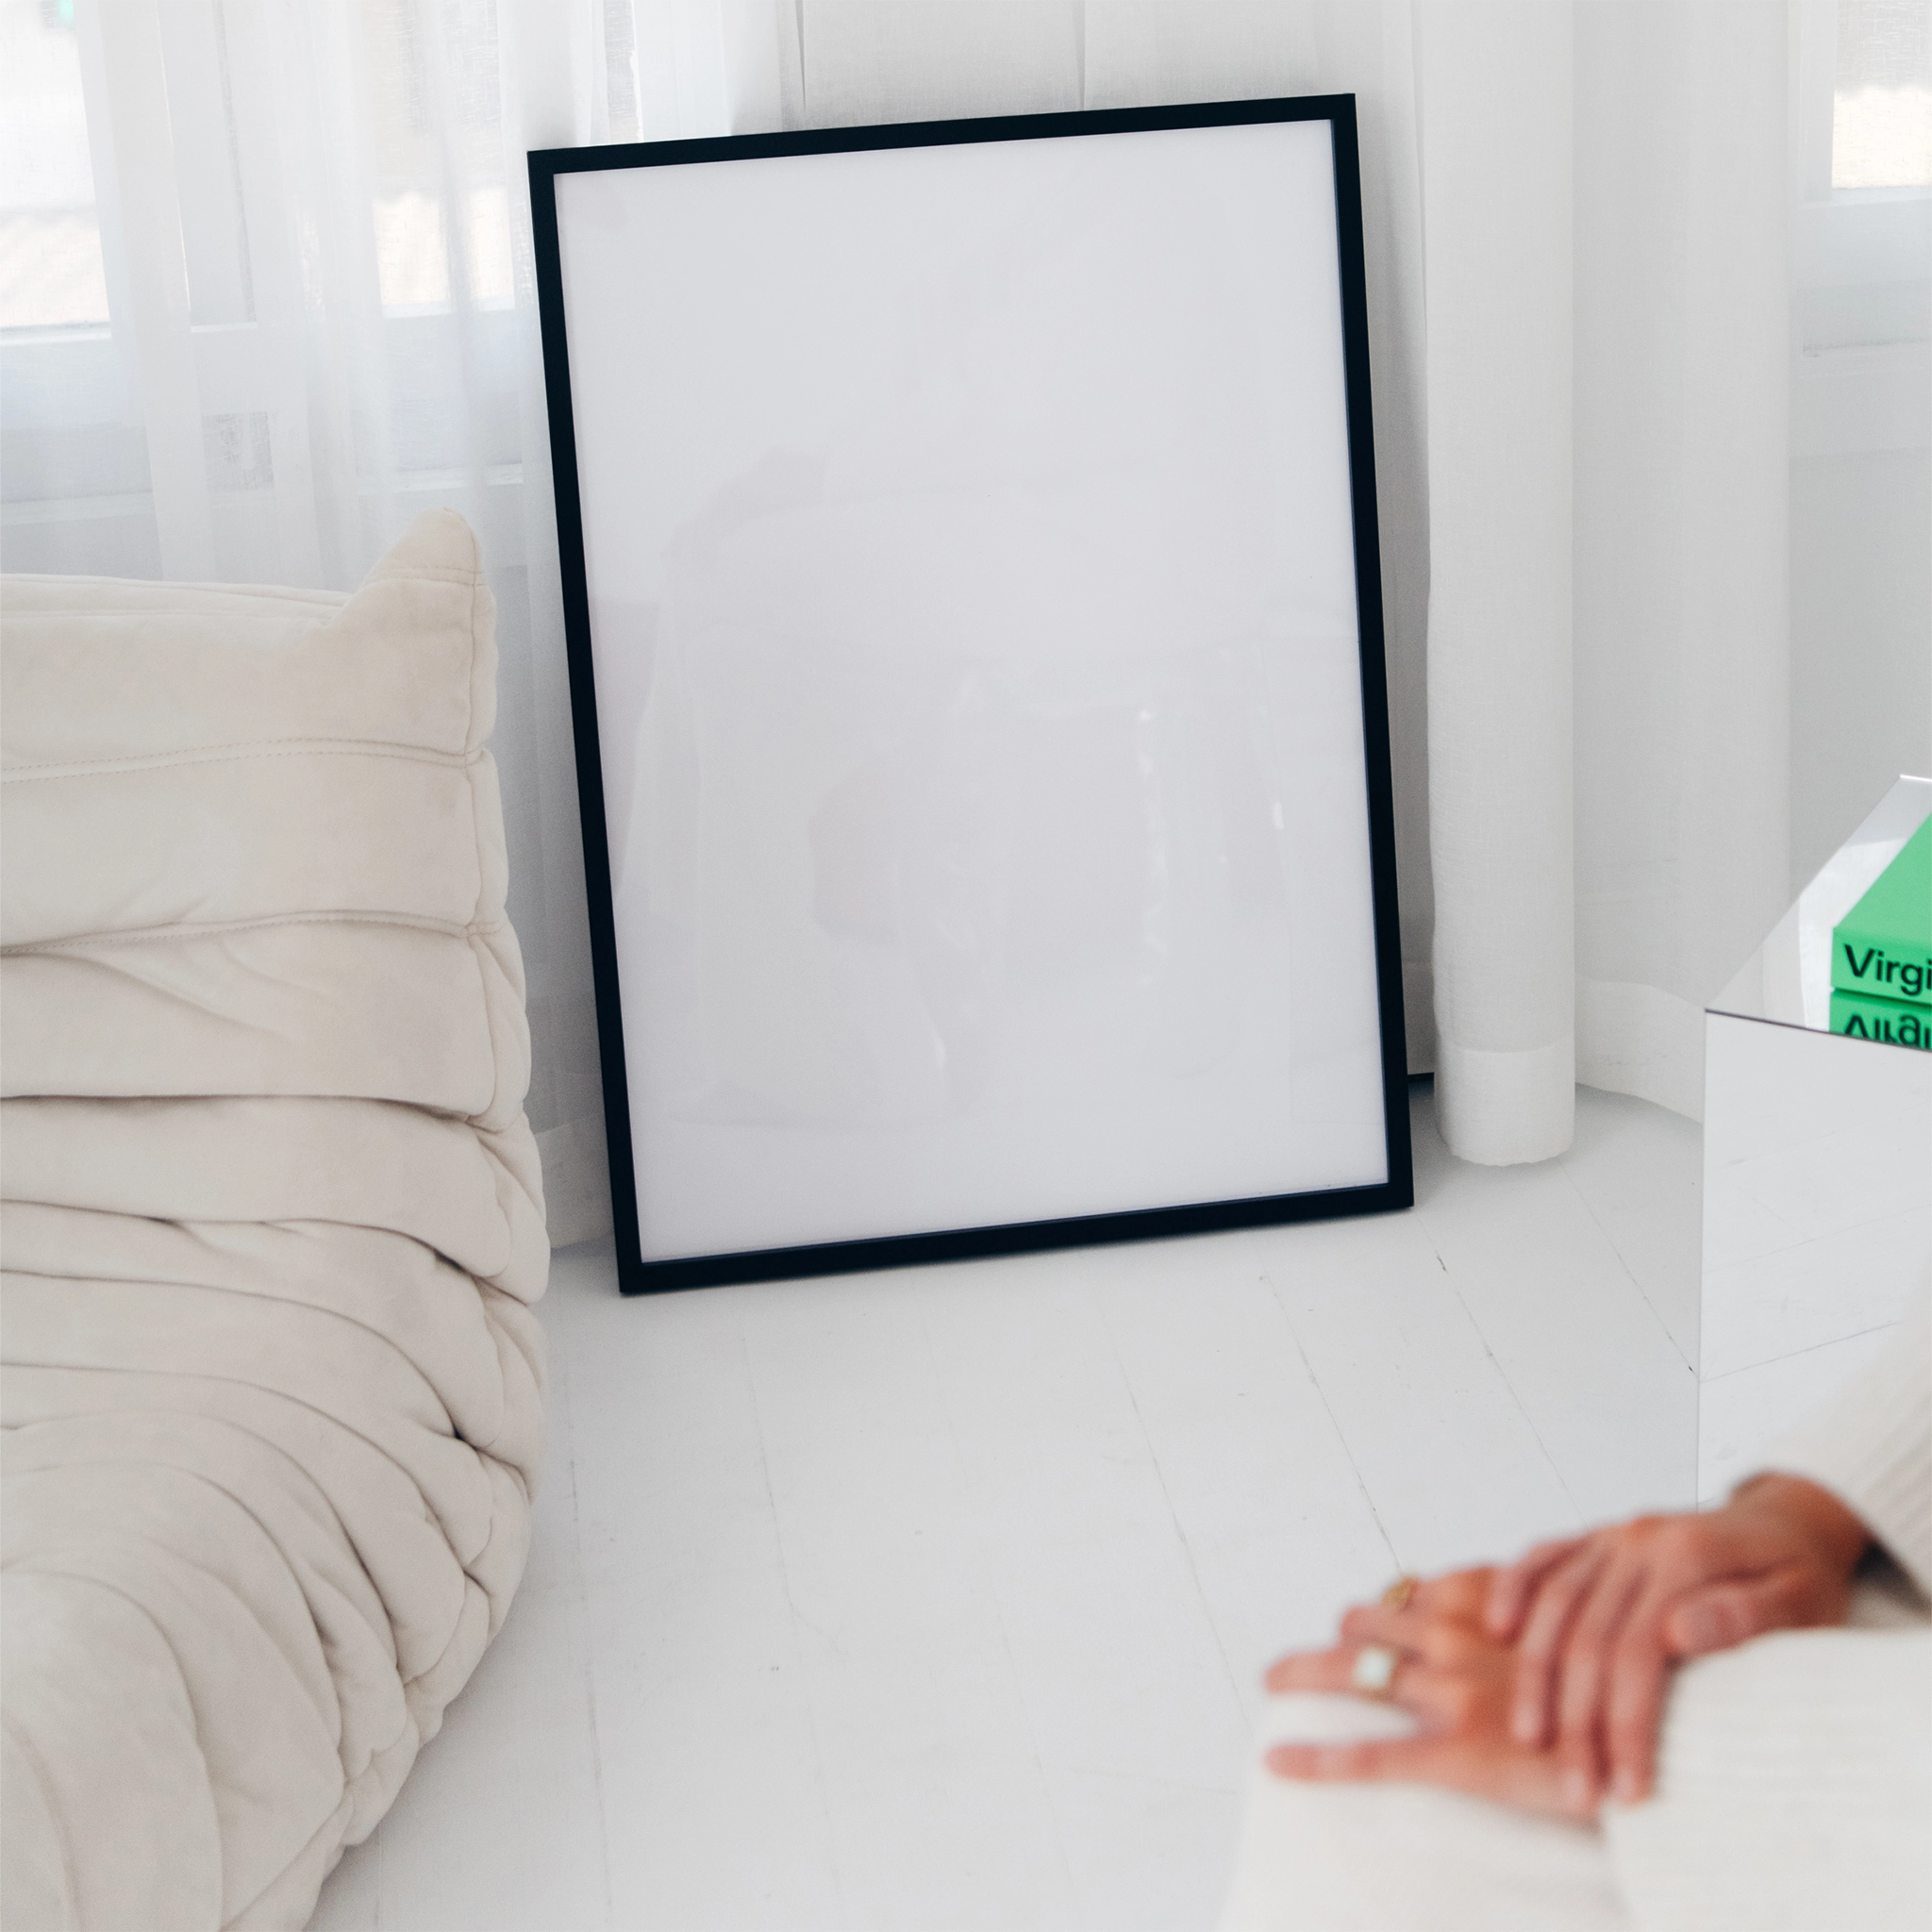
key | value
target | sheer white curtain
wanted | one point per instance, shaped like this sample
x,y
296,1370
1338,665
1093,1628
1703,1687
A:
x,y
265,293
1606,210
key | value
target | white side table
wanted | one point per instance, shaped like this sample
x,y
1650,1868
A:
x,y
1816,1171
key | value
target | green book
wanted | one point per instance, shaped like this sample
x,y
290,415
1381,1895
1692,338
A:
x,y
1896,1022
1882,947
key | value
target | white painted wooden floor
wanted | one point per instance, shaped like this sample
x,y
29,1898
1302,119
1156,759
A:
x,y
939,1599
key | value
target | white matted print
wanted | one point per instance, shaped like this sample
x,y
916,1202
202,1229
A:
x,y
969,591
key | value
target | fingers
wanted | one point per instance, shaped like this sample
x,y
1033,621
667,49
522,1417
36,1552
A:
x,y
1367,1760
1715,1618
1635,1708
1491,1770
1444,1700
1313,1670
1558,1601
1335,1671
1511,1590
1661,1629
1460,1595
1723,1614
1414,1629
1584,1679
1378,1623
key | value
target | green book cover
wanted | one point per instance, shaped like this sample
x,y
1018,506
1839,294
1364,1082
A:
x,y
1895,1023
1883,946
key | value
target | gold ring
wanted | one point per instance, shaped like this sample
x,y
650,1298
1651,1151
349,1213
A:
x,y
1400,1593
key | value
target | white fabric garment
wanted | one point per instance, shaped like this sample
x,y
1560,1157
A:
x,y
1401,1857
313,244
273,1223
1795,1790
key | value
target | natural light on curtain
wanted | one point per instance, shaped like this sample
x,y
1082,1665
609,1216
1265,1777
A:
x,y
51,273
1882,95
265,294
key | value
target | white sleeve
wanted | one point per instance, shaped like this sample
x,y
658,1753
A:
x,y
1398,1857
1794,1790
1871,1445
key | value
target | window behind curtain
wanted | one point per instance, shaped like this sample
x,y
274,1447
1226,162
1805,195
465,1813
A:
x,y
1881,134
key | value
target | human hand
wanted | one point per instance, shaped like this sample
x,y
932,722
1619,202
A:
x,y
1598,1620
1452,1675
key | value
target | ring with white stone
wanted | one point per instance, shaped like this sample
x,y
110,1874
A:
x,y
1375,1669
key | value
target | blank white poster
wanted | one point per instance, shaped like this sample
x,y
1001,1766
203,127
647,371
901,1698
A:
x,y
972,594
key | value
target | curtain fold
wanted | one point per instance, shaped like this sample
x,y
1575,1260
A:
x,y
313,240
1680,509
1497,214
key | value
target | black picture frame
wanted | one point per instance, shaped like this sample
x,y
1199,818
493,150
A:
x,y
636,1273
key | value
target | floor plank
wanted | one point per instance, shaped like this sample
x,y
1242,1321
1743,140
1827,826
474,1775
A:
x,y
1454,1467
1280,1531
1608,1392
704,1715
1640,1172
939,1807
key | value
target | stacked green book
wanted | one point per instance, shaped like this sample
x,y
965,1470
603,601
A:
x,y
1881,954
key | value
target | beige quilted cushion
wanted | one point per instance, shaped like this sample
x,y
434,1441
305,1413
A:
x,y
271,1224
